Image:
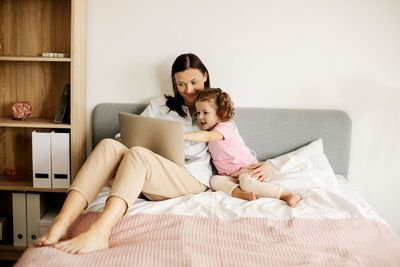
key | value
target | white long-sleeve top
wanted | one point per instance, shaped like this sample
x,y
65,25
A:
x,y
196,154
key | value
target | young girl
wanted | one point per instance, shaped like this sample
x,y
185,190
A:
x,y
229,154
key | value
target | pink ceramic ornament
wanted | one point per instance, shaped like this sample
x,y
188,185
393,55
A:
x,y
21,110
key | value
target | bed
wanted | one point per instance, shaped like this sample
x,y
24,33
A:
x,y
309,149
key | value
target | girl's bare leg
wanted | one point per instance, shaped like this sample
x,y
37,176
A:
x,y
74,204
97,236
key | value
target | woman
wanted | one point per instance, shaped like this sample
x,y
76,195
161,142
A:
x,y
127,168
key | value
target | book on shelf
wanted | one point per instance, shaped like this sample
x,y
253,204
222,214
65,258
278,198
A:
x,y
63,110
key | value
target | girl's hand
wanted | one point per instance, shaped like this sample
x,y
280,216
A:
x,y
260,171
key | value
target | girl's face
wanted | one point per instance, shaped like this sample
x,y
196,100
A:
x,y
189,83
207,114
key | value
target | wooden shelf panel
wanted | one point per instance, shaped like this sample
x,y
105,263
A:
x,y
12,248
38,59
32,123
10,252
26,185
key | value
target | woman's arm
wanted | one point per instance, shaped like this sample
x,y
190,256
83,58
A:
x,y
203,136
261,170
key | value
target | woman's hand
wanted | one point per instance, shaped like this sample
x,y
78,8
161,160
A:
x,y
260,171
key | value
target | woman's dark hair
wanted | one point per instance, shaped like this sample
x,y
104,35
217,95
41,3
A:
x,y
225,108
182,63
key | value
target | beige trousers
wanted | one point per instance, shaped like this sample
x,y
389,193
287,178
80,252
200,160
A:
x,y
132,171
241,178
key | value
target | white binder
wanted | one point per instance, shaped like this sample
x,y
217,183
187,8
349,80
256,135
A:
x,y
19,218
60,160
41,159
35,209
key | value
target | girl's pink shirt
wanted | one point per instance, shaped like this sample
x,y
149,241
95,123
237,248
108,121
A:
x,y
229,154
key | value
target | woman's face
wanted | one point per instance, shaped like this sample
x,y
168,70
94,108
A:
x,y
189,83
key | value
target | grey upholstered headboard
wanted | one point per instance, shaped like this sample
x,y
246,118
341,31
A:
x,y
269,132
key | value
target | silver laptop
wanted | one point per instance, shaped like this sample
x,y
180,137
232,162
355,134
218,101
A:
x,y
163,137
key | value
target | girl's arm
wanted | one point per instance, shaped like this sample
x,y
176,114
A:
x,y
203,136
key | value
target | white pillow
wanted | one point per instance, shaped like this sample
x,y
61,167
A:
x,y
304,168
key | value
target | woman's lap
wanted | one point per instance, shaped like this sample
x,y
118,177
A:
x,y
136,170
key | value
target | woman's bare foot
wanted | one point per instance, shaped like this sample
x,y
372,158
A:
x,y
239,193
291,199
57,231
92,240
96,237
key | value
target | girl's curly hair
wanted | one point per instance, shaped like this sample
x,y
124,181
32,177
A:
x,y
225,108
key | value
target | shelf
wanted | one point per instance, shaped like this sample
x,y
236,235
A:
x,y
10,252
38,59
32,123
29,28
25,185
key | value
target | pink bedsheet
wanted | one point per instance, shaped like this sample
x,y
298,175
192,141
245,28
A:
x,y
177,240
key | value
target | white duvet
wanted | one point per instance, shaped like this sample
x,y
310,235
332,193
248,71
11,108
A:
x,y
305,171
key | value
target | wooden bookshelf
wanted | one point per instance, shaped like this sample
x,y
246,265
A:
x,y
24,184
28,29
32,123
38,59
11,253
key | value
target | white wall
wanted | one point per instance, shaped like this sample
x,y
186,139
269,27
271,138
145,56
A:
x,y
267,53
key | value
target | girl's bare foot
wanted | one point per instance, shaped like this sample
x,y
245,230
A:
x,y
92,240
57,231
291,199
239,193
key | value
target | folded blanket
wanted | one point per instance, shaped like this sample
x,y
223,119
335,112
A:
x,y
179,240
